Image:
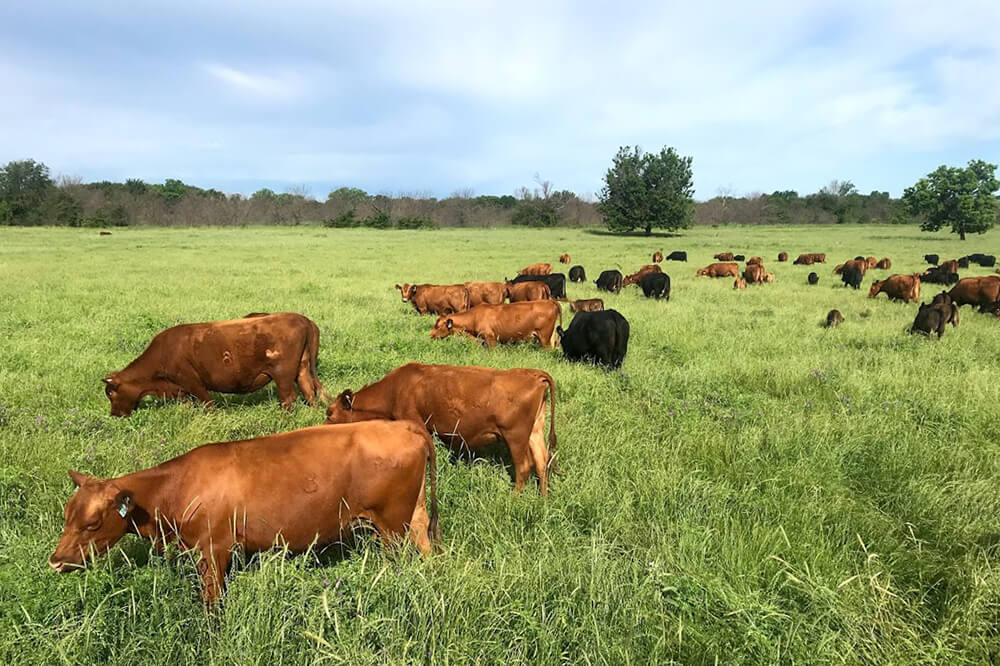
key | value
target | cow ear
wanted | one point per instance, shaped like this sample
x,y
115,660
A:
x,y
448,323
398,287
78,478
559,330
347,400
123,503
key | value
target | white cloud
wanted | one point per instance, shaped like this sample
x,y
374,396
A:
x,y
281,87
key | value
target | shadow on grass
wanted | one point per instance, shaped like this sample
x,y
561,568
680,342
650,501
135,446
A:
x,y
631,234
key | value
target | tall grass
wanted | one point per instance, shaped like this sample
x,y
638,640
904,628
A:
x,y
751,488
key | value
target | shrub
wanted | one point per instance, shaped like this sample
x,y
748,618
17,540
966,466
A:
x,y
416,223
379,220
346,220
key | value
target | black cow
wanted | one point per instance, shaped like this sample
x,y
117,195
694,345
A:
x,y
834,318
556,282
852,277
577,274
813,278
934,317
939,275
984,260
677,255
931,259
655,285
600,338
739,257
963,262
610,281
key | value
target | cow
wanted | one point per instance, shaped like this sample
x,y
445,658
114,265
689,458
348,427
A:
x,y
677,255
724,256
813,278
755,260
555,281
468,408
563,259
933,318
739,283
577,274
963,262
298,489
810,258
600,338
977,291
782,256
718,270
657,257
634,278
738,257
884,264
611,281
938,275
655,285
235,356
852,277
105,233
536,269
984,260
586,305
490,293
834,318
754,274
904,288
872,262
859,262
931,259
769,278
516,322
532,290
435,298
950,266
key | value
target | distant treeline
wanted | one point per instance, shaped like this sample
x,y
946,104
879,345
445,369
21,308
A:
x,y
28,196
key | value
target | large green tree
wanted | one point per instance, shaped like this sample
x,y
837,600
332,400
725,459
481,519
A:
x,y
645,190
956,197
24,186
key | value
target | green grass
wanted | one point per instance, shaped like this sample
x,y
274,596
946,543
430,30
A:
x,y
751,488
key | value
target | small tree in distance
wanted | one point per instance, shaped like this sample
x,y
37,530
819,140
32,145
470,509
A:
x,y
646,190
961,198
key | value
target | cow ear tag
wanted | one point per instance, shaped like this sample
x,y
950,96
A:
x,y
123,507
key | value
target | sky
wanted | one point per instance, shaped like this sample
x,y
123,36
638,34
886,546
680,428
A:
x,y
436,97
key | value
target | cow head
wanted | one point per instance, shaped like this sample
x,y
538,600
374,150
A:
x,y
345,409
124,395
701,272
876,288
560,332
443,327
407,291
97,516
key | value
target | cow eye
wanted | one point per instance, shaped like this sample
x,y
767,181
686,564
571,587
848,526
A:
x,y
92,527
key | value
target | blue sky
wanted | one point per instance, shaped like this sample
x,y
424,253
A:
x,y
434,97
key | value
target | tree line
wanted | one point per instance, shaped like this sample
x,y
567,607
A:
x,y
642,191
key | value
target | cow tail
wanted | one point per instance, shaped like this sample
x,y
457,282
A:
x,y
312,344
547,378
433,527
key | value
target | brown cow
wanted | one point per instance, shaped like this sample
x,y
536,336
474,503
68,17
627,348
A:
x,y
105,233
860,264
834,318
810,258
298,489
980,291
884,264
769,278
754,274
755,260
872,262
634,278
724,256
904,288
740,283
782,256
528,291
504,323
235,356
436,298
719,270
563,259
586,305
468,407
657,257
950,266
536,269
490,293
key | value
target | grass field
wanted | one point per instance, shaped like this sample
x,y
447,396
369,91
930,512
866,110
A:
x,y
750,488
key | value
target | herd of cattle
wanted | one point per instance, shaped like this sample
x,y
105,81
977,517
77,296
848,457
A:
x,y
374,460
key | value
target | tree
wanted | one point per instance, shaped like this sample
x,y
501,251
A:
x,y
961,198
24,186
647,190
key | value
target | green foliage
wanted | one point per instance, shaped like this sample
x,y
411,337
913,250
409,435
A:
x,y
504,202
646,190
61,208
416,223
348,196
173,190
24,186
955,197
135,186
378,220
108,216
537,212
345,220
264,194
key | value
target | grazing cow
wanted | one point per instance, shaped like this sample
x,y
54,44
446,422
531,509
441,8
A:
x,y
738,257
298,489
516,322
105,233
813,278
468,408
984,260
532,290
435,298
769,278
755,260
563,258
722,269
586,305
610,281
739,283
490,293
904,288
600,338
536,269
657,257
834,318
872,262
861,264
931,259
634,278
939,275
934,318
963,262
577,274
884,264
950,266
677,255
655,285
852,277
555,281
724,256
782,256
235,356
754,274
978,291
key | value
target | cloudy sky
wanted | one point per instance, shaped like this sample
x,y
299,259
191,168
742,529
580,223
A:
x,y
435,97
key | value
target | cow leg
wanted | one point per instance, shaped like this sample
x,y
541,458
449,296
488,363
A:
x,y
286,390
420,521
305,382
200,393
212,570
520,455
539,452
490,339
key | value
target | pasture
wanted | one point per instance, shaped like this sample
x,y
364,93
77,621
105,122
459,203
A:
x,y
750,488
